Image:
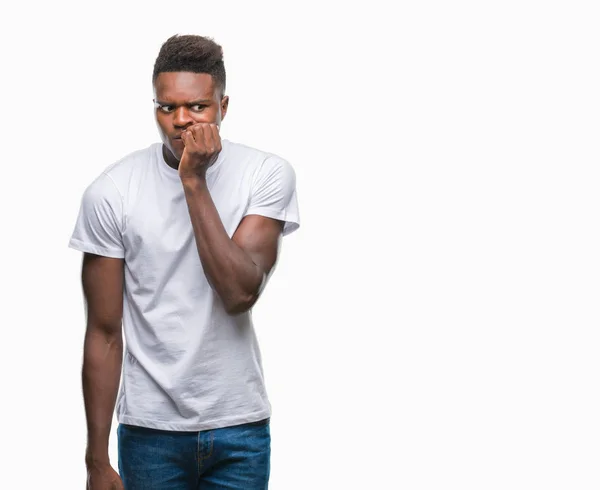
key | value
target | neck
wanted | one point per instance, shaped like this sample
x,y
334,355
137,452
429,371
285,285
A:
x,y
170,158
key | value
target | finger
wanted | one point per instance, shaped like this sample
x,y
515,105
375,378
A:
x,y
216,136
209,138
188,139
198,131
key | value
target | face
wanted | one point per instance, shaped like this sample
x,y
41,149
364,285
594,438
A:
x,y
181,100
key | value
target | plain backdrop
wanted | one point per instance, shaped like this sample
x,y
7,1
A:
x,y
434,323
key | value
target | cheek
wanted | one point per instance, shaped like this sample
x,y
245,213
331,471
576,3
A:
x,y
208,116
202,118
162,122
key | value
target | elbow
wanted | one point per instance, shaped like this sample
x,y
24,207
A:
x,y
241,304
243,301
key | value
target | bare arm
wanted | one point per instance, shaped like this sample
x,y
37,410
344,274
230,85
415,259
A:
x,y
102,279
238,267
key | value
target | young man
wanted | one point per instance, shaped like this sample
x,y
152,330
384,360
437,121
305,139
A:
x,y
179,240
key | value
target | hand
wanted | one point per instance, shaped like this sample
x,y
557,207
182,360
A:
x,y
202,146
103,478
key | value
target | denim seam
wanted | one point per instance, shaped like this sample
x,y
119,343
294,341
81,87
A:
x,y
199,456
202,457
212,440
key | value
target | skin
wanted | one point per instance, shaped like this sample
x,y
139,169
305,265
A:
x,y
189,111
102,279
237,268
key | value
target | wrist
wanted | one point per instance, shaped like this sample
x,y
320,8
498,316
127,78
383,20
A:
x,y
96,453
96,461
193,182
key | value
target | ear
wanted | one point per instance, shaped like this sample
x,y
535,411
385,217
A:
x,y
224,105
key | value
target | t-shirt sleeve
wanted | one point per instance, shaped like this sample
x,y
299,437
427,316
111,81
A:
x,y
98,228
274,193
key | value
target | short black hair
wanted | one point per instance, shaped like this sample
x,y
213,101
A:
x,y
196,54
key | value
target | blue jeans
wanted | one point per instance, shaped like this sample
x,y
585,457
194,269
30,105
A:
x,y
232,458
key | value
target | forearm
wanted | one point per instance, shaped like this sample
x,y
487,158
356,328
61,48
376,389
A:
x,y
229,269
102,360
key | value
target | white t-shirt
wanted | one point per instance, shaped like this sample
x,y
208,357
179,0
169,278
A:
x,y
188,365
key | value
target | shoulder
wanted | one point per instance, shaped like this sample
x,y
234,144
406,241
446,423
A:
x,y
240,150
258,161
131,167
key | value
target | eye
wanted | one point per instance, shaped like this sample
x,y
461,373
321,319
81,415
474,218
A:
x,y
165,108
198,107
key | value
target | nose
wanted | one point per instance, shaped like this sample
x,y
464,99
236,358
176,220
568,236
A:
x,y
182,118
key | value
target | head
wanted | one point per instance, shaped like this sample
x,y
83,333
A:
x,y
189,87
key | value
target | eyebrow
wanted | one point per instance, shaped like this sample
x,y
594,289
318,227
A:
x,y
194,102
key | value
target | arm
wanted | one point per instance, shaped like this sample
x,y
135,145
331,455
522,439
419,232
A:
x,y
102,280
236,268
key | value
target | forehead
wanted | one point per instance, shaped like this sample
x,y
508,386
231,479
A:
x,y
182,86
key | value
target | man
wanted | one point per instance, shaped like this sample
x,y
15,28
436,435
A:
x,y
179,240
